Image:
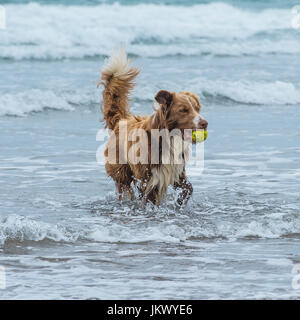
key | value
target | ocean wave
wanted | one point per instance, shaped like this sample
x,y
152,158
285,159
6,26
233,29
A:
x,y
20,229
37,31
15,228
230,92
131,222
211,93
247,92
36,100
197,222
170,232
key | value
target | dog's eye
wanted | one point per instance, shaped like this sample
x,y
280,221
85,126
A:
x,y
184,110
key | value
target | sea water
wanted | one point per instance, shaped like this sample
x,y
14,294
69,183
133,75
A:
x,y
64,234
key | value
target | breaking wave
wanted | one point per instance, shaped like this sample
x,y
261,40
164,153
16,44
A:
x,y
57,32
36,100
20,229
166,225
211,92
248,92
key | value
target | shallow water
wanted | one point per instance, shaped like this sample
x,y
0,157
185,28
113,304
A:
x,y
63,234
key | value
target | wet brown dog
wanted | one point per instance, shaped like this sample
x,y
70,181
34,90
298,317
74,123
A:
x,y
176,110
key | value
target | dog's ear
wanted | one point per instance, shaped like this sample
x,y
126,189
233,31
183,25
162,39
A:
x,y
164,98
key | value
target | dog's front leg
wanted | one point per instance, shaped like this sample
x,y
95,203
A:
x,y
186,190
124,190
152,196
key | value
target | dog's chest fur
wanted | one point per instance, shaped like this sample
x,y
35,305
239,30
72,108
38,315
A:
x,y
167,174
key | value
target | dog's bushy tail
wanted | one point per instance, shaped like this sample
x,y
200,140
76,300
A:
x,y
118,79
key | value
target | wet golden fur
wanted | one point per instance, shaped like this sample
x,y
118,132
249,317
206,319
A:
x,y
175,110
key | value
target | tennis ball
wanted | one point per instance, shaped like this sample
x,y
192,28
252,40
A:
x,y
199,135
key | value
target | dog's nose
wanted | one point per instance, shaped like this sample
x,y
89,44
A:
x,y
202,124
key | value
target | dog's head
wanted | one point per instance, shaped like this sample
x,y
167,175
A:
x,y
179,110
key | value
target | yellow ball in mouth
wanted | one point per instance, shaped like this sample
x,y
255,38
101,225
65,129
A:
x,y
199,135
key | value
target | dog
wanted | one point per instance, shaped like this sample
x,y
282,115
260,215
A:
x,y
175,110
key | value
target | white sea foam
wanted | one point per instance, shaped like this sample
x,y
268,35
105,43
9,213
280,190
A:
x,y
267,228
253,92
55,32
168,229
35,100
243,91
19,228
